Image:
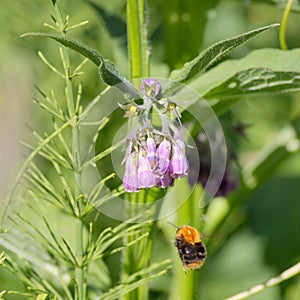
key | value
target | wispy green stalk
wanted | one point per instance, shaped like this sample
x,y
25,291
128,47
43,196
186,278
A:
x,y
282,37
80,275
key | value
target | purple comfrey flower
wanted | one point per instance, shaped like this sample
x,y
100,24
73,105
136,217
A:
x,y
151,87
145,174
166,180
151,152
130,178
163,153
155,157
179,165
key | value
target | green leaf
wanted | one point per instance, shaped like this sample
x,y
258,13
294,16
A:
x,y
274,59
108,71
86,51
256,80
210,84
210,56
112,76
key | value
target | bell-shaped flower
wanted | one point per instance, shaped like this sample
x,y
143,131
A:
x,y
151,152
146,177
130,178
179,165
163,153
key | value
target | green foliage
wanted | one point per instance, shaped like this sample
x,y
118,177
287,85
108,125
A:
x,y
254,81
61,247
108,71
212,55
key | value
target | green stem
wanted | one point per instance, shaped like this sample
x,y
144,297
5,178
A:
x,y
286,13
138,51
137,257
80,271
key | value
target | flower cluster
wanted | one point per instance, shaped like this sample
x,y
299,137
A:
x,y
153,164
154,158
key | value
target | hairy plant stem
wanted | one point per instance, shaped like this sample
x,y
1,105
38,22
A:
x,y
138,52
138,257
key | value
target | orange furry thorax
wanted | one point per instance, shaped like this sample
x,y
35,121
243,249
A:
x,y
190,234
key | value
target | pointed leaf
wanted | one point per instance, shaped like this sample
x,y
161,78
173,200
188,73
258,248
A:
x,y
214,53
108,71
274,59
256,80
86,51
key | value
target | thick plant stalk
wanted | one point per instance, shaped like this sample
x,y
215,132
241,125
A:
x,y
137,257
138,51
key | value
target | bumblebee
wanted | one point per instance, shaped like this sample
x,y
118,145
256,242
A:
x,y
190,247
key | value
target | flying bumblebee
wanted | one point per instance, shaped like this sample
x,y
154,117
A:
x,y
190,247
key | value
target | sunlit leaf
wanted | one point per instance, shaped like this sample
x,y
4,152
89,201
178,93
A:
x,y
274,59
213,54
253,81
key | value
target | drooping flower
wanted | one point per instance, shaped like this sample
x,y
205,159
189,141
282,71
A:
x,y
155,156
151,152
130,178
163,153
179,165
145,174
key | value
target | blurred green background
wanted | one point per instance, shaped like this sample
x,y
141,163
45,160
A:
x,y
268,239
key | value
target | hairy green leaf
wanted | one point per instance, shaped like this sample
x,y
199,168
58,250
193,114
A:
x,y
256,80
108,71
274,59
86,51
210,56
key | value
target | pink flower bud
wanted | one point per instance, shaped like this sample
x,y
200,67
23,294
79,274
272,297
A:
x,y
130,178
146,177
179,165
150,87
163,154
151,152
